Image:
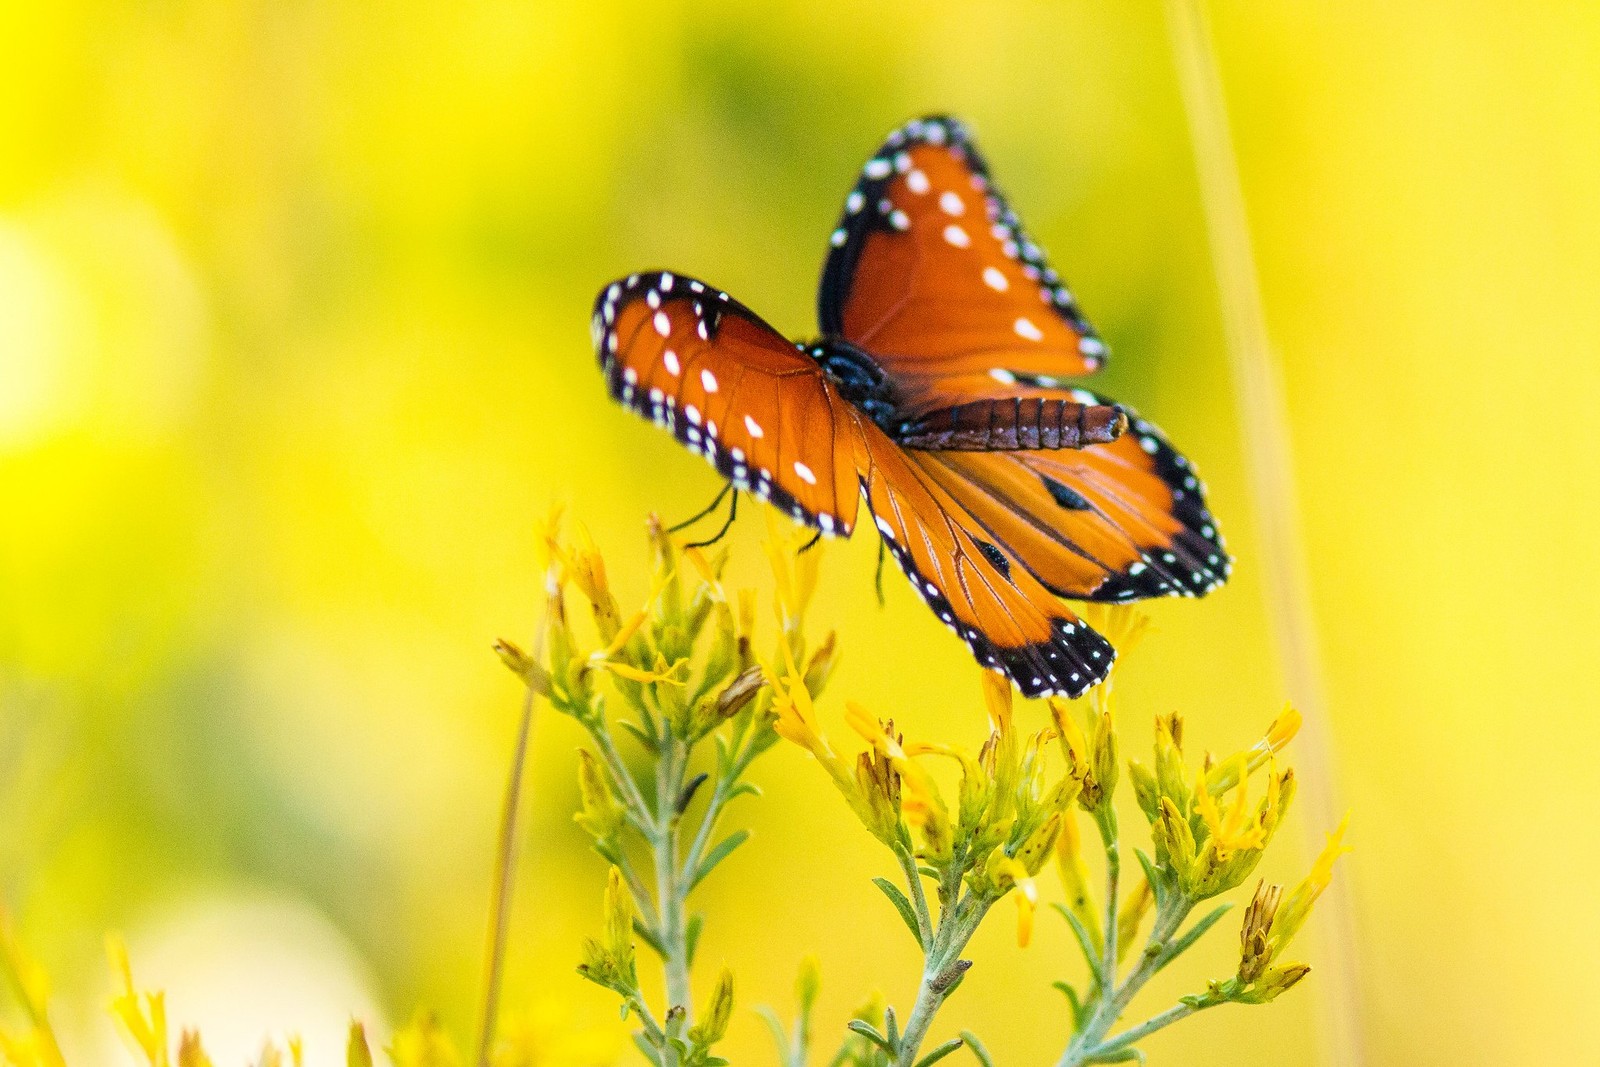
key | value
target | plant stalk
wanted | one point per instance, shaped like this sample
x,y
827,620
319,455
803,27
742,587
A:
x,y
505,869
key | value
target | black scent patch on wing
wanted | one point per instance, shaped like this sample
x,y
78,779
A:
x,y
1064,495
994,556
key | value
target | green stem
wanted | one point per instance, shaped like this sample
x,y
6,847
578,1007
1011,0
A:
x,y
1106,820
669,888
1114,1000
1134,1034
638,810
941,971
726,782
919,900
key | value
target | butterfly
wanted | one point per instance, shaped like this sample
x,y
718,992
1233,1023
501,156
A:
x,y
939,392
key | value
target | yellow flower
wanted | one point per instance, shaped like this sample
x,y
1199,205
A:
x,y
147,1032
661,671
1292,915
794,573
1225,775
1027,899
1236,828
796,721
588,571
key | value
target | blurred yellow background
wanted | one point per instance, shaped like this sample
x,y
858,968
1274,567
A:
x,y
294,351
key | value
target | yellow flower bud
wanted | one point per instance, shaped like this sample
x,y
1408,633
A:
x,y
1075,879
1035,849
619,919
1275,982
599,812
808,984
718,1013
357,1052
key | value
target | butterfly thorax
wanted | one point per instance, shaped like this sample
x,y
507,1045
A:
x,y
858,378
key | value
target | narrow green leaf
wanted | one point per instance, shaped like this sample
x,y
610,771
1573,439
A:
x,y
941,1052
639,735
689,790
648,936
868,1031
719,853
779,1037
1121,1055
903,906
1179,945
1159,879
981,1053
1071,994
651,1053
1085,942
691,936
891,1028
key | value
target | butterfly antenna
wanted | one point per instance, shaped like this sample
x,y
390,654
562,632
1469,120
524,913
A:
x,y
733,510
709,509
877,580
809,545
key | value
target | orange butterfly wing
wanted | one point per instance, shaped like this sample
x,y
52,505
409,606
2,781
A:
x,y
734,390
1111,522
931,272
977,587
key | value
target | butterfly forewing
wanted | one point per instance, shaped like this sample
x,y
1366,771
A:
x,y
731,388
932,273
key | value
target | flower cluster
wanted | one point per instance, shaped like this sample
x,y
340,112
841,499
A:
x,y
669,677
1209,827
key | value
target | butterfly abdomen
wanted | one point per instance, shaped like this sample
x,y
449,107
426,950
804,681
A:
x,y
1011,424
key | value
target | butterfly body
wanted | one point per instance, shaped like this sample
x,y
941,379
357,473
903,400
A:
x,y
940,394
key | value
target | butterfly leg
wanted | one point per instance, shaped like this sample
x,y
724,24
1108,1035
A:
x,y
715,503
733,511
877,579
809,545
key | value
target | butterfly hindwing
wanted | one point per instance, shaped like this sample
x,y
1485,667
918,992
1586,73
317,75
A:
x,y
975,585
932,273
1112,522
733,389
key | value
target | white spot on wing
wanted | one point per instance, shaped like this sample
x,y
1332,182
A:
x,y
1003,376
995,280
957,236
663,324
1025,328
917,182
805,473
670,358
951,203
754,427
709,381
